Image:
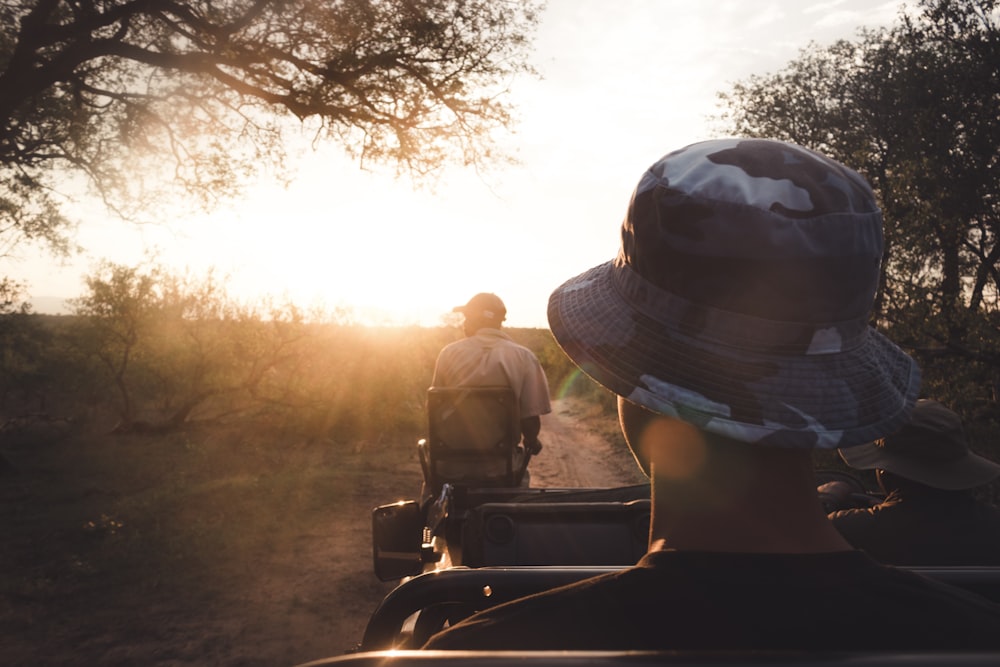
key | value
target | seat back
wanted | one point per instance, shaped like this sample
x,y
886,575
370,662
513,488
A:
x,y
472,437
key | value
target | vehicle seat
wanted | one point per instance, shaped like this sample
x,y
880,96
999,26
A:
x,y
473,438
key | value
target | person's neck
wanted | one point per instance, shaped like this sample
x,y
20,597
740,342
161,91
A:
x,y
480,326
747,499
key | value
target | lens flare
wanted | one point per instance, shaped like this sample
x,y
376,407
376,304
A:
x,y
675,448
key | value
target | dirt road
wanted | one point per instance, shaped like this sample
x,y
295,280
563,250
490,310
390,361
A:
x,y
582,449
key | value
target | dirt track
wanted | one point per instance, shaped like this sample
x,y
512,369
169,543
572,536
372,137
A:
x,y
579,452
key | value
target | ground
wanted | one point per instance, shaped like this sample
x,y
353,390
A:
x,y
582,447
301,591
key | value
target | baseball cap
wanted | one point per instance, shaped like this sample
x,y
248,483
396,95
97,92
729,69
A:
x,y
740,297
486,305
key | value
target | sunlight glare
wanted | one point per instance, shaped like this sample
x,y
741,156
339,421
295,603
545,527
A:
x,y
347,238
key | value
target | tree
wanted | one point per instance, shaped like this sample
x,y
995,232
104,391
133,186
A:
x,y
134,93
118,313
915,108
21,340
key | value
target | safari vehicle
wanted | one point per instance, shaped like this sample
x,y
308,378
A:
x,y
477,538
475,509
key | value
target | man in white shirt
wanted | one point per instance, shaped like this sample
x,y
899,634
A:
x,y
489,357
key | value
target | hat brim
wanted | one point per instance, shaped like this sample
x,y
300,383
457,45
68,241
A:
x,y
967,472
829,400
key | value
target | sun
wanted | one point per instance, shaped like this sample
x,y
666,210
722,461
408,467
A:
x,y
340,238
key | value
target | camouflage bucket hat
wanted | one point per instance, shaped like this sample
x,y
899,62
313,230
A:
x,y
740,297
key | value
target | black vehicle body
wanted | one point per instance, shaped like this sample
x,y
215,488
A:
x,y
470,543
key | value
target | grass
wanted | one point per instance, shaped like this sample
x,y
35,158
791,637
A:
x,y
119,537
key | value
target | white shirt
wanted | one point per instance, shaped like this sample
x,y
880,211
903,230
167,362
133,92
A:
x,y
490,358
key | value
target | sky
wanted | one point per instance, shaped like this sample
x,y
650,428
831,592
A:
x,y
622,83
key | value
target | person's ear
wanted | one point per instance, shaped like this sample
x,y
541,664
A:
x,y
633,420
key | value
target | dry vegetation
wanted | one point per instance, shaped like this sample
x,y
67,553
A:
x,y
238,535
225,543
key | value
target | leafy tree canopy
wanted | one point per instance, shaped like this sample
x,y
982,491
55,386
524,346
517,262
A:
x,y
915,107
132,94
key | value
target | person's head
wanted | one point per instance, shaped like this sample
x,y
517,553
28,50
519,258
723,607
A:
x,y
739,302
483,311
930,450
